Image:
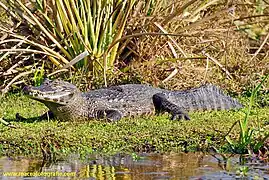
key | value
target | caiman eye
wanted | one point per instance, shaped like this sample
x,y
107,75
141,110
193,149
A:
x,y
70,95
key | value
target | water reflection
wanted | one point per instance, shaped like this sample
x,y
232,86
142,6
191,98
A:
x,y
125,167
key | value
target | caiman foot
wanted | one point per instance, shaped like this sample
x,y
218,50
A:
x,y
48,115
108,114
163,105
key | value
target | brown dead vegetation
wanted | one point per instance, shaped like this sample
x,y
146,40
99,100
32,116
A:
x,y
225,43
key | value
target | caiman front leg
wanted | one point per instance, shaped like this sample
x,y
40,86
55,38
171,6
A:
x,y
108,114
46,116
162,104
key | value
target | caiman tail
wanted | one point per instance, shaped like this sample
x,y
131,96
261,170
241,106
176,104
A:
x,y
206,97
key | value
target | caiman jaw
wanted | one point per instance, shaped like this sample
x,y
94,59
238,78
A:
x,y
47,96
58,92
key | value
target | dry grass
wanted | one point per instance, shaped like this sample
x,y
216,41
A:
x,y
217,36
217,44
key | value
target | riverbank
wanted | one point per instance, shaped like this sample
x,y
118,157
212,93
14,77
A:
x,y
52,138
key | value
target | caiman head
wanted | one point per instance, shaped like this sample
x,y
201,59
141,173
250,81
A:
x,y
56,92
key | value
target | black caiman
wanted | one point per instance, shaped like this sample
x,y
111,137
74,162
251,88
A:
x,y
66,102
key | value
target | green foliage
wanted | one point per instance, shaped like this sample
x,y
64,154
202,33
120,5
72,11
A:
x,y
246,143
243,171
136,157
63,29
39,75
148,134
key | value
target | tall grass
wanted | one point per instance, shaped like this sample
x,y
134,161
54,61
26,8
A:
x,y
63,29
246,142
100,38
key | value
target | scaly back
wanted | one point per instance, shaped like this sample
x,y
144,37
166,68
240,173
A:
x,y
206,97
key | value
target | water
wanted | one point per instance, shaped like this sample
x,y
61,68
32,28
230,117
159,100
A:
x,y
142,167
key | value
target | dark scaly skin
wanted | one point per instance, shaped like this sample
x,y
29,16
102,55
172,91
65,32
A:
x,y
67,103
